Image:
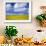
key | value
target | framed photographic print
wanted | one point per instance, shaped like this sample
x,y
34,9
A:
x,y
18,11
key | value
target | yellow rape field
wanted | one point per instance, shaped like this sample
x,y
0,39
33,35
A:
x,y
17,17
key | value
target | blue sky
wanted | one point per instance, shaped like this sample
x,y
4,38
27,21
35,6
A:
x,y
17,8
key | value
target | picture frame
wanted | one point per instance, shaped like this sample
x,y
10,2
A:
x,y
24,16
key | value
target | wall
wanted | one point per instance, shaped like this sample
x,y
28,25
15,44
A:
x,y
27,29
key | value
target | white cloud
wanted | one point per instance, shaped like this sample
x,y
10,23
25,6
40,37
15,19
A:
x,y
8,6
18,5
19,9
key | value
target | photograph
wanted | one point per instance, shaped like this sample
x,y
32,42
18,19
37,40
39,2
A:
x,y
17,11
